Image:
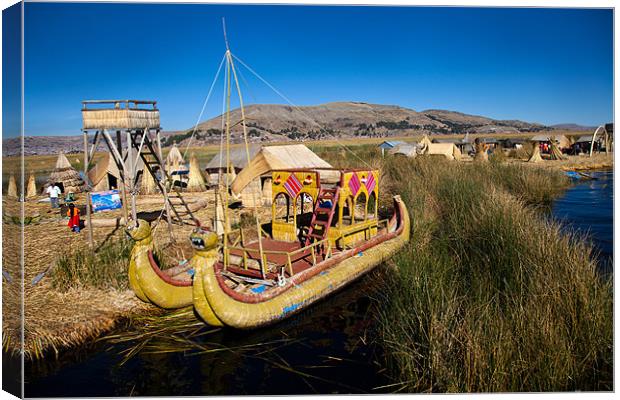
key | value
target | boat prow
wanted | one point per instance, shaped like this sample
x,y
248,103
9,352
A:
x,y
170,288
260,302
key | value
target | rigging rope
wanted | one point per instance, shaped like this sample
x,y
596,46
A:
x,y
297,107
204,105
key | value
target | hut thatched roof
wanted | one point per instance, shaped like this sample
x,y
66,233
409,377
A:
x,y
238,158
65,174
278,157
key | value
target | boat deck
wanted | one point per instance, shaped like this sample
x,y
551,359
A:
x,y
300,261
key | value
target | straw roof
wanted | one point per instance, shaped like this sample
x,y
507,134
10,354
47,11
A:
x,y
449,150
278,157
238,158
195,180
67,175
31,189
12,190
99,173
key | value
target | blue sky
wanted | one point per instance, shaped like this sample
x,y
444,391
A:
x,y
540,65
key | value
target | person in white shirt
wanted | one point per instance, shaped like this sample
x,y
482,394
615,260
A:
x,y
53,191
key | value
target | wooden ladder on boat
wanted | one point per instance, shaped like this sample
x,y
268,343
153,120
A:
x,y
322,216
181,214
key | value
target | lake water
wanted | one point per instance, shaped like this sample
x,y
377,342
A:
x,y
326,349
588,208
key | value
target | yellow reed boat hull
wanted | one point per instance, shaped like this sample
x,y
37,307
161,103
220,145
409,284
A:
x,y
253,312
159,290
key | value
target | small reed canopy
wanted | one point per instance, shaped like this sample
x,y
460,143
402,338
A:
x,y
120,114
66,175
31,189
195,182
12,190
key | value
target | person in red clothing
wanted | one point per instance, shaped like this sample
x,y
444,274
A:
x,y
74,218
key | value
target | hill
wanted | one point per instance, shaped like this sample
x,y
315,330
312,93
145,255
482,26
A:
x,y
273,122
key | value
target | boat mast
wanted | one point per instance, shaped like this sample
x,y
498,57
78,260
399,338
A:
x,y
230,65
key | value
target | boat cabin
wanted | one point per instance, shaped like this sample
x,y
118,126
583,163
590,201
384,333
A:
x,y
314,215
311,205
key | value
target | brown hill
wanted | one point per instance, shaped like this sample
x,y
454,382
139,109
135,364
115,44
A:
x,y
271,122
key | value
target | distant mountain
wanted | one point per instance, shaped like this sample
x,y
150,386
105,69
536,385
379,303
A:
x,y
273,122
573,127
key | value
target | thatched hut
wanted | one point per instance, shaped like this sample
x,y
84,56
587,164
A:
x,y
195,180
535,154
251,182
12,189
238,158
31,188
67,178
105,174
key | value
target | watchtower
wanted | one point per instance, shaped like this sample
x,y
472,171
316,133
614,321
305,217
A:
x,y
137,137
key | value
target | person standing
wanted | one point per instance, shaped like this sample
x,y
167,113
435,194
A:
x,y
74,218
53,191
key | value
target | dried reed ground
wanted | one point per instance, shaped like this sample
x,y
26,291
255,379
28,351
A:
x,y
489,295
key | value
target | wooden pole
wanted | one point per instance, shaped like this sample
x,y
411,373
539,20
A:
x,y
88,216
132,175
163,175
119,148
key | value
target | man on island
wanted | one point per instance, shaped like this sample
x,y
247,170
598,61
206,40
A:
x,y
53,191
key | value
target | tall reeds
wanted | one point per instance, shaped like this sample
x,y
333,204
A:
x,y
490,294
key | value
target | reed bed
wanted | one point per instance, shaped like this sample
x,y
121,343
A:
x,y
490,295
105,268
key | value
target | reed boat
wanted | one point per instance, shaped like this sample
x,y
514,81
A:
x,y
166,288
324,233
300,257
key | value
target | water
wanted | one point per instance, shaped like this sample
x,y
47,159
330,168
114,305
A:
x,y
329,347
588,208
328,350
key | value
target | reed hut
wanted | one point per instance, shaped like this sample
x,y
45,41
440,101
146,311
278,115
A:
x,y
195,180
175,161
12,189
535,154
251,182
105,174
31,188
66,176
238,158
148,184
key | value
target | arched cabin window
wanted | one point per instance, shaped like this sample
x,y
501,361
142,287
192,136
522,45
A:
x,y
347,214
372,207
304,206
282,207
361,211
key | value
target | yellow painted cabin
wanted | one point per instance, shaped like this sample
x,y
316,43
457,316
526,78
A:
x,y
294,197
